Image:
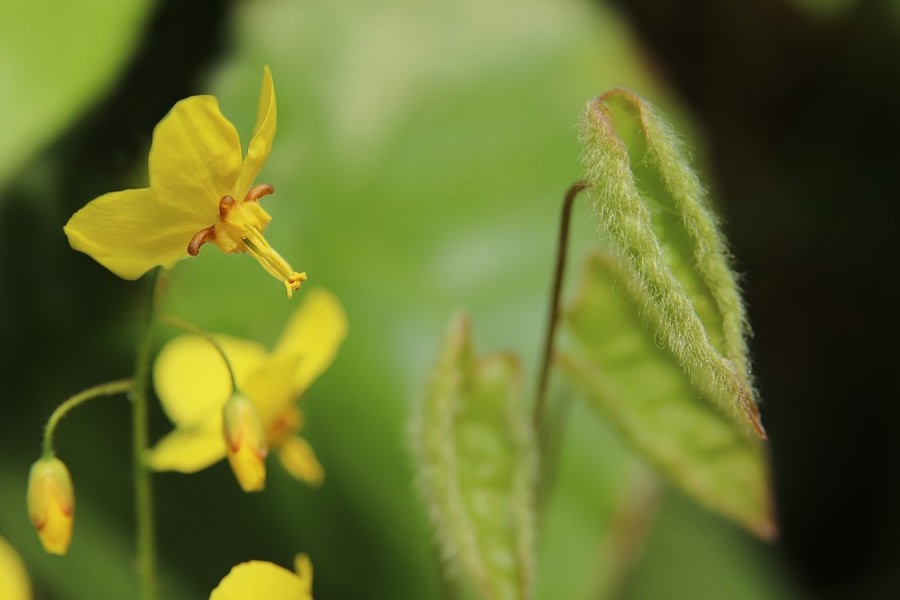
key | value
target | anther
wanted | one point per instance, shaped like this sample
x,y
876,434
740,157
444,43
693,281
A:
x,y
201,237
225,206
257,192
293,282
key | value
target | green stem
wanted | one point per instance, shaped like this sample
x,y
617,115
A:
x,y
190,327
553,316
120,386
143,491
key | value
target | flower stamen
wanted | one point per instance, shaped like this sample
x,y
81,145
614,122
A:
x,y
257,246
200,238
225,206
239,229
285,424
257,192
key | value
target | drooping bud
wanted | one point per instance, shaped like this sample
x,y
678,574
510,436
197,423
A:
x,y
245,441
51,503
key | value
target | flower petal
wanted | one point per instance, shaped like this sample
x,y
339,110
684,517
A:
x,y
299,460
191,378
259,579
195,158
270,387
313,334
14,583
189,450
263,134
304,570
130,232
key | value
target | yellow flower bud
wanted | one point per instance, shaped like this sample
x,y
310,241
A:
x,y
245,441
51,503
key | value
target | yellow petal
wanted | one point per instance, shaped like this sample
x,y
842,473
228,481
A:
x,y
263,134
270,387
298,459
195,158
130,232
190,449
192,381
14,583
314,333
258,579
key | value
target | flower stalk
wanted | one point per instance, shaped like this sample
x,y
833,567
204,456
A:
x,y
143,489
112,388
562,249
191,328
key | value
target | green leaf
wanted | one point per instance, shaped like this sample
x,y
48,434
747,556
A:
x,y
57,57
639,384
476,467
654,209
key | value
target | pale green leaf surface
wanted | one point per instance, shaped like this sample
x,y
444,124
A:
x,y
476,466
637,383
55,57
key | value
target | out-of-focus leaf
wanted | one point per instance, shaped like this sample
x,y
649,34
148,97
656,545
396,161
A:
x,y
55,57
476,463
826,10
655,211
639,384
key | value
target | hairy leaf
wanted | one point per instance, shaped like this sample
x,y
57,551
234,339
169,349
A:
x,y
639,384
476,467
654,209
658,328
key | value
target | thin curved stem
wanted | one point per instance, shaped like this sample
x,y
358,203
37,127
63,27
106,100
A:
x,y
112,388
553,316
143,490
191,328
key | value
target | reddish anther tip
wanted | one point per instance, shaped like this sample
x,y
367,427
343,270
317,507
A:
x,y
201,237
225,206
257,192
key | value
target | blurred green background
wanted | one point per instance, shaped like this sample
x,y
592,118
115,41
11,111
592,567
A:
x,y
421,154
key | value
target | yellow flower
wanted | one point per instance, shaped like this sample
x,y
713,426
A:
x,y
14,583
200,191
259,579
51,503
193,386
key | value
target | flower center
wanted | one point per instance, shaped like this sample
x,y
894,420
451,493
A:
x,y
285,424
239,229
